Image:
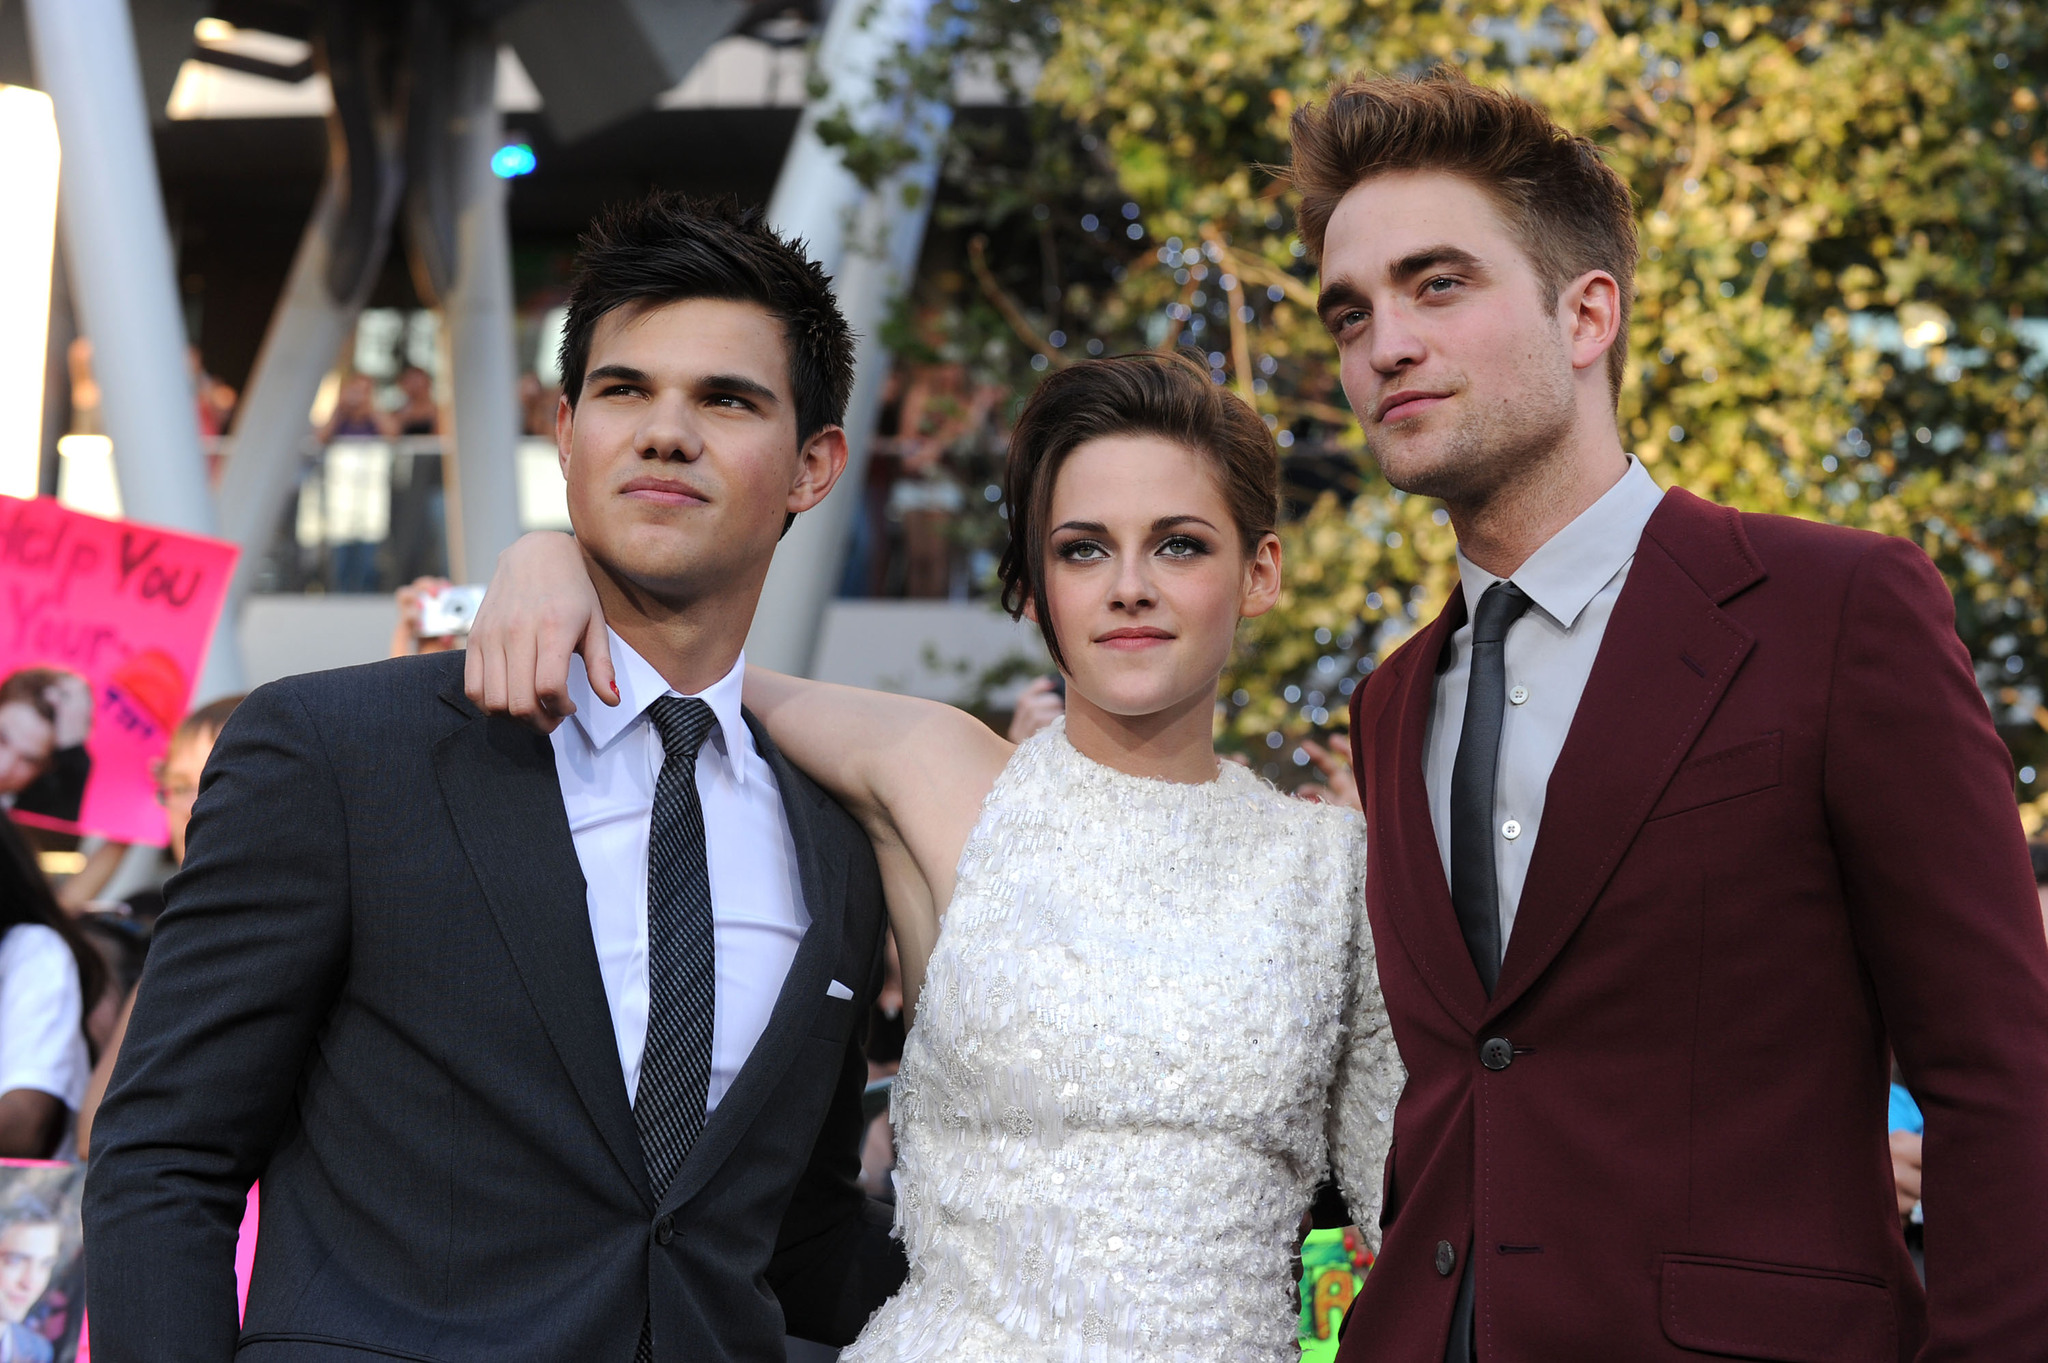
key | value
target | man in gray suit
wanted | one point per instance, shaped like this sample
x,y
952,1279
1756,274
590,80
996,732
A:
x,y
541,1047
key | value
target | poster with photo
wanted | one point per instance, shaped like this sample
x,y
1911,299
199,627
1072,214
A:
x,y
103,627
42,1264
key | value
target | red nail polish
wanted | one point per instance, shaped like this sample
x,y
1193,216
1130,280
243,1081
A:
x,y
615,690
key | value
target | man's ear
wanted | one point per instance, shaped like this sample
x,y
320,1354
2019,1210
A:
x,y
1590,308
565,429
818,466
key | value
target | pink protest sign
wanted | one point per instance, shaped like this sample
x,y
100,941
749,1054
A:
x,y
129,608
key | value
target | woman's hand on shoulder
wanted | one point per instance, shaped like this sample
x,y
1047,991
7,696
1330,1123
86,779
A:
x,y
538,610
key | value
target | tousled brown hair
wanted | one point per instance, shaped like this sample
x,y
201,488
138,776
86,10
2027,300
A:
x,y
1571,210
1167,396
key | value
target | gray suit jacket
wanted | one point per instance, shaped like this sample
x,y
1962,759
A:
x,y
375,990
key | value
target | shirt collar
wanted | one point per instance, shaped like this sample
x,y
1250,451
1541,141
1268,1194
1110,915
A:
x,y
1568,571
640,686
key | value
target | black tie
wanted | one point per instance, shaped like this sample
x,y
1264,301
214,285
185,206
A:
x,y
1475,885
682,980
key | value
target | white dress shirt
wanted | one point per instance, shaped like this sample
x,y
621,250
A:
x,y
41,1045
608,759
1574,581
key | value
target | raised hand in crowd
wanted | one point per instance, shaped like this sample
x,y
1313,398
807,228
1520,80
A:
x,y
70,697
406,639
1339,785
1042,702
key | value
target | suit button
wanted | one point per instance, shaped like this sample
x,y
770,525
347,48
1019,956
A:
x,y
1446,1258
1497,1053
664,1230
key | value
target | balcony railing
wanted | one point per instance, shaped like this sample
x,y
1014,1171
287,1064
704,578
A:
x,y
371,514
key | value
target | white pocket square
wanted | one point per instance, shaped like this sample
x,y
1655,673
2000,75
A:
x,y
836,990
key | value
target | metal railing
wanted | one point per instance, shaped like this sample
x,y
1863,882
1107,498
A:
x,y
371,514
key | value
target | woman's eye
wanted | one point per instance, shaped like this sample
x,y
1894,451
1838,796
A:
x,y
1183,546
1081,551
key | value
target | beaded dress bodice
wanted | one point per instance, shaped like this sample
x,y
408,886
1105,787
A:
x,y
1117,1099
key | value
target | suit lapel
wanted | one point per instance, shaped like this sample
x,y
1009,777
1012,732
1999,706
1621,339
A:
x,y
1405,863
498,780
803,989
1667,659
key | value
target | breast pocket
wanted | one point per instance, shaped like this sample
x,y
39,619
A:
x,y
835,1020
1726,775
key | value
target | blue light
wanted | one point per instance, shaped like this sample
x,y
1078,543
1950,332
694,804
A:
x,y
513,159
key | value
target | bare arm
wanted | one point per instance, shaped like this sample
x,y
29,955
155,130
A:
x,y
913,772
30,1122
96,1090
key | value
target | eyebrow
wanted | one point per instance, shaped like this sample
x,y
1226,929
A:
x,y
1430,258
1163,523
717,383
741,384
617,372
1339,294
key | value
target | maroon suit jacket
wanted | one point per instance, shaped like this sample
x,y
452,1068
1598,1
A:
x,y
1779,844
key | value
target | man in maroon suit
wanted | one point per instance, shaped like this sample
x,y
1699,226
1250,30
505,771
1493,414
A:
x,y
1683,821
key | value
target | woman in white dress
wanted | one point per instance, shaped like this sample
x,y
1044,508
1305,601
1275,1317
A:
x,y
1146,1012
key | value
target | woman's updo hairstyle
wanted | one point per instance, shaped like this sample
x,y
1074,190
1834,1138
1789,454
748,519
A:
x,y
1145,394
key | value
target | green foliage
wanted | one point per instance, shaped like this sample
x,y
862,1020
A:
x,y
1842,217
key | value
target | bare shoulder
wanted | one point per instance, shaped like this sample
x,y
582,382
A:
x,y
943,741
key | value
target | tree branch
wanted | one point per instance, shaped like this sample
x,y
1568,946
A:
x,y
977,259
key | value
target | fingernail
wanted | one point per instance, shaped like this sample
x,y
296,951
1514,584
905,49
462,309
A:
x,y
615,690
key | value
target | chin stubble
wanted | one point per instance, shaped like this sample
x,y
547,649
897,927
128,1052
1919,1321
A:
x,y
1484,454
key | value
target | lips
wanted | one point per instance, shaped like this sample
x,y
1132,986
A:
x,y
1406,403
1134,637
663,491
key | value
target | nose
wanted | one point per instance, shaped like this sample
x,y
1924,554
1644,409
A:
x,y
1133,590
667,432
1396,342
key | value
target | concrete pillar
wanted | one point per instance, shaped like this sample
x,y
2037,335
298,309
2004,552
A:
x,y
274,427
869,243
118,242
482,466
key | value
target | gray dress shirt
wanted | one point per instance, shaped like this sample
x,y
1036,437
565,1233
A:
x,y
1574,580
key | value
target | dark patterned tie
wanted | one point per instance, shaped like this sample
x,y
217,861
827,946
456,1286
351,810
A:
x,y
1475,884
675,1068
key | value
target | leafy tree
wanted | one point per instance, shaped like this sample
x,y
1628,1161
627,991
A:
x,y
1842,218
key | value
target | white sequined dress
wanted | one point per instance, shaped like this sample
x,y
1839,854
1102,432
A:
x,y
1151,1020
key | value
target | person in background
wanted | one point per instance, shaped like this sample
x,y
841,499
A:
x,y
418,414
406,639
884,1048
356,413
213,401
177,786
47,971
2039,852
31,1239
45,718
537,402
